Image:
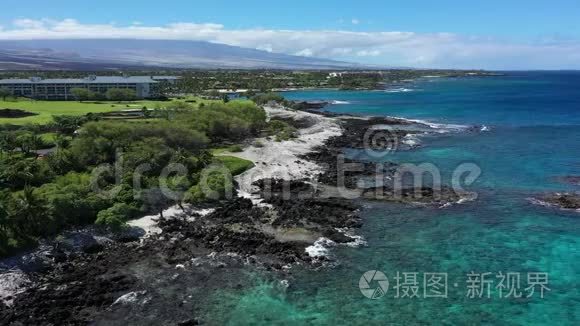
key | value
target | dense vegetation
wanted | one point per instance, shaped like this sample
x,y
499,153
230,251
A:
x,y
104,168
112,94
260,81
106,171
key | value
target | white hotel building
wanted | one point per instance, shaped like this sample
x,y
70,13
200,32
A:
x,y
60,89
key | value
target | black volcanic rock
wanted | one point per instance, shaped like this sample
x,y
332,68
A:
x,y
563,200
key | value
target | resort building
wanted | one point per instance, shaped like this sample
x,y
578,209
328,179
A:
x,y
60,89
233,94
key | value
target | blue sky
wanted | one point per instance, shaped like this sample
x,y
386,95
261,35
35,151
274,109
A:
x,y
487,34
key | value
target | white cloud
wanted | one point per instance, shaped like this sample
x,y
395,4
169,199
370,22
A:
x,y
393,48
25,23
305,53
265,47
355,21
367,53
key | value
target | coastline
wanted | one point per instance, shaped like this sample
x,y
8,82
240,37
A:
x,y
270,232
283,159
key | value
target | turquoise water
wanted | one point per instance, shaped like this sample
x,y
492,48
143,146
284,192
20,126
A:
x,y
533,138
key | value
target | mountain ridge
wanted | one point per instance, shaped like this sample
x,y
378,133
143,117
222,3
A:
x,y
104,54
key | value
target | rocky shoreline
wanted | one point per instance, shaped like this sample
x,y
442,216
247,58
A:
x,y
294,214
565,201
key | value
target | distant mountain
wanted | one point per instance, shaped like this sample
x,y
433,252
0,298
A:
x,y
102,54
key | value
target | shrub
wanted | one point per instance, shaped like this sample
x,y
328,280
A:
x,y
217,186
282,130
117,215
262,99
120,94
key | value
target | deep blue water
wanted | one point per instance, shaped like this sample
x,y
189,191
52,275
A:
x,y
533,138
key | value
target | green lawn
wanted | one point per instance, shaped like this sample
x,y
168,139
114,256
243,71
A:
x,y
236,165
46,109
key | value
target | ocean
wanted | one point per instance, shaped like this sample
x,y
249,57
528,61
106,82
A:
x,y
490,252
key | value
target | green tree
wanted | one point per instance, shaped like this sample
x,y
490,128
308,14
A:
x,y
265,98
5,223
67,124
82,94
29,213
4,93
63,161
71,200
121,94
29,142
4,216
17,171
8,142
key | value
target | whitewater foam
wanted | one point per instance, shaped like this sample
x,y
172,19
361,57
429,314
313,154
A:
x,y
131,298
358,240
411,140
399,90
539,202
320,248
440,127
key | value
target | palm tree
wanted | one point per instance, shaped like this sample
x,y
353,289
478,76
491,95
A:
x,y
28,210
4,217
7,142
29,142
17,172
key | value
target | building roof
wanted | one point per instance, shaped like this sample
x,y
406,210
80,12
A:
x,y
90,80
227,91
165,77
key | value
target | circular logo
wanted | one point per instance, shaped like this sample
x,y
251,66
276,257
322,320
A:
x,y
373,284
380,141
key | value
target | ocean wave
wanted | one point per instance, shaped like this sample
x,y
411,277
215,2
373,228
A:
x,y
442,127
132,298
358,240
337,102
539,202
320,248
411,140
399,90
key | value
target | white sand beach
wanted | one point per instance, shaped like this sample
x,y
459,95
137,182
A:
x,y
281,159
